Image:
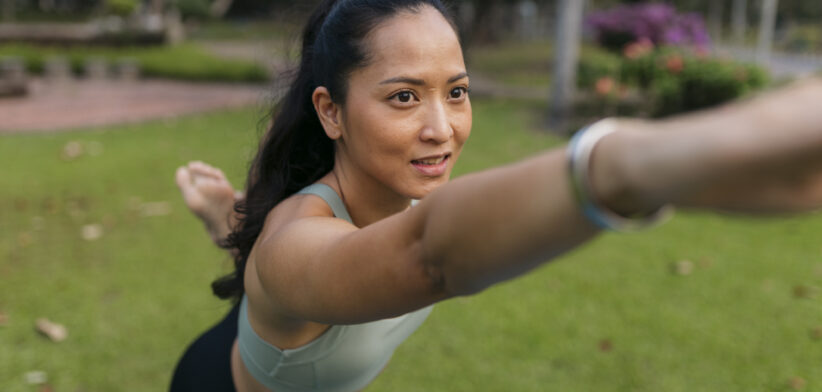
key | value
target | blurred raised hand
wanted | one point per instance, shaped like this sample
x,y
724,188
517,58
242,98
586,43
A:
x,y
210,196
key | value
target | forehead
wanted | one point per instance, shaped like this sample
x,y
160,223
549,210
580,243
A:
x,y
413,44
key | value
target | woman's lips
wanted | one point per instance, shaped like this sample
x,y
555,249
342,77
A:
x,y
433,167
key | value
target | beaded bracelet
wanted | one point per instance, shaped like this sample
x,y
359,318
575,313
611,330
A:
x,y
579,159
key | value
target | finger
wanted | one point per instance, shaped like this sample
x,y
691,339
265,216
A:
x,y
201,169
183,179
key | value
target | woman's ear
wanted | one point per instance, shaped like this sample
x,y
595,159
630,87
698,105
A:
x,y
329,112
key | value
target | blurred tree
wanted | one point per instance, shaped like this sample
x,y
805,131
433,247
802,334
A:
x,y
766,29
7,10
568,36
715,11
739,20
219,8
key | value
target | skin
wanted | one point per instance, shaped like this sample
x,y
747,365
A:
x,y
762,156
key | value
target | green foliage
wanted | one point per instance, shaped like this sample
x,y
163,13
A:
x,y
596,63
198,9
185,62
121,7
802,38
701,82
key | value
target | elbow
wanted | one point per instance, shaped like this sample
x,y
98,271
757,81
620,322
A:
x,y
447,282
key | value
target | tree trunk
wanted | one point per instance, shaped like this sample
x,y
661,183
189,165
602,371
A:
x,y
767,25
715,19
219,8
739,20
7,10
566,55
483,28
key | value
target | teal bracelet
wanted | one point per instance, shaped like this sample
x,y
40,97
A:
x,y
579,153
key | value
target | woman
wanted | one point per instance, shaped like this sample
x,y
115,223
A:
x,y
333,267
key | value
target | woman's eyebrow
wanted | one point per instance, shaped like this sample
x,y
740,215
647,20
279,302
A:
x,y
458,77
420,82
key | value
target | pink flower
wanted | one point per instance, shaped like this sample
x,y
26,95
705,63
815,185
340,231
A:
x,y
604,85
674,64
638,49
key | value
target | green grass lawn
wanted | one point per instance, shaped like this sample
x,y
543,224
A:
x,y
609,317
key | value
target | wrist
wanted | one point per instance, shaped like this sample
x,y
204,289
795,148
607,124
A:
x,y
618,177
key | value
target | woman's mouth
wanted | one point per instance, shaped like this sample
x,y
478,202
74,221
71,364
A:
x,y
432,166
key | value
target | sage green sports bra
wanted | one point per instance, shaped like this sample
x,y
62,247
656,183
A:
x,y
345,358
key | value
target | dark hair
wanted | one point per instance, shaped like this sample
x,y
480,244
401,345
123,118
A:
x,y
295,152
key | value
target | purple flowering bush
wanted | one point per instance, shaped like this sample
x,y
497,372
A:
x,y
658,23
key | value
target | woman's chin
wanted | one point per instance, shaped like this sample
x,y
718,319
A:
x,y
423,190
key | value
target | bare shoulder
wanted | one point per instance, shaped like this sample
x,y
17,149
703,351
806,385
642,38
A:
x,y
296,211
286,235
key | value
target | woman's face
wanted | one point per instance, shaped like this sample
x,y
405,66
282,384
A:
x,y
407,112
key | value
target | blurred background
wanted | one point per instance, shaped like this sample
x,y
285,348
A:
x,y
104,275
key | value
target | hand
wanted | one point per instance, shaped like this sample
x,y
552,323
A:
x,y
759,156
210,196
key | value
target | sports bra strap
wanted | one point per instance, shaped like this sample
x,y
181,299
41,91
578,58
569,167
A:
x,y
331,198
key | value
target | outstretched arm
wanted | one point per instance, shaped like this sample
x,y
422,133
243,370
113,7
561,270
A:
x,y
763,155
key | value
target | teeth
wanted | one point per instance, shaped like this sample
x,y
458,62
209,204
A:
x,y
434,161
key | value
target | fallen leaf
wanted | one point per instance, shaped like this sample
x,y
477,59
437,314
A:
x,y
109,221
797,383
816,333
71,151
35,377
92,232
160,208
802,291
706,262
4,319
50,206
21,204
605,345
24,239
55,332
683,267
46,388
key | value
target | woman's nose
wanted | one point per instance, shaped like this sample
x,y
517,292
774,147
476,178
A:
x,y
437,128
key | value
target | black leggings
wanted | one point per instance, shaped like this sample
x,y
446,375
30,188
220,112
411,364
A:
x,y
206,364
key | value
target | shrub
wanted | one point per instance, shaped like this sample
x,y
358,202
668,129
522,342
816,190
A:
x,y
121,7
672,80
198,9
698,83
660,24
595,64
185,62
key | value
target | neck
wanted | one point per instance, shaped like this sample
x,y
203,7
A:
x,y
366,199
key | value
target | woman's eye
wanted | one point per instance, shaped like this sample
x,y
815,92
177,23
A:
x,y
458,92
404,96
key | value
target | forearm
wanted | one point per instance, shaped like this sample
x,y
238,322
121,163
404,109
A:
x,y
749,156
487,227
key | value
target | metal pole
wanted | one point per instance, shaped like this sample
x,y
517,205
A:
x,y
566,55
739,20
766,29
